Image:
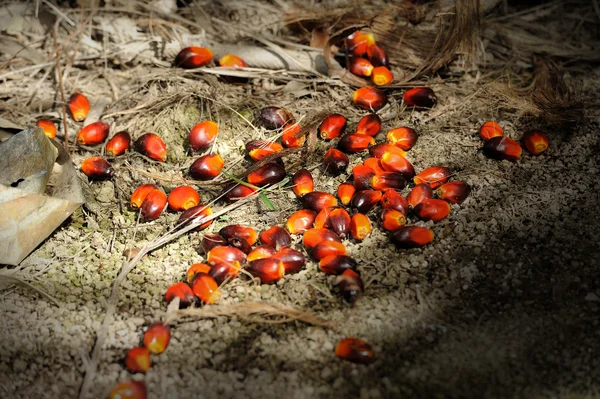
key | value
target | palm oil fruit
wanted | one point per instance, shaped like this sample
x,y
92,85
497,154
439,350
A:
x,y
202,135
260,252
140,194
276,237
157,338
314,237
322,219
206,289
118,144
300,221
369,98
403,137
502,148
377,56
207,167
490,129
196,269
419,193
350,283
434,176
183,198
92,134
392,220
361,176
419,98
432,209
129,390
237,192
182,291
387,180
381,76
339,222
275,117
397,163
360,226
48,127
232,61
392,199
225,254
454,192
193,57
291,137
209,241
336,264
241,244
239,231
317,200
379,150
79,106
259,149
369,124
360,67
365,200
196,215
335,162
154,204
354,143
97,168
137,360
412,237
345,192
225,271
327,248
332,126
302,183
152,146
268,270
354,350
374,164
292,259
358,43
535,141
269,173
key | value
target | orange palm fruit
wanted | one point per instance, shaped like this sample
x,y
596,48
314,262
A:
x,y
206,289
490,129
154,204
419,98
207,167
454,192
353,143
157,338
209,241
118,144
358,43
260,252
237,192
317,200
374,164
275,117
137,359
276,237
361,176
258,149
140,194
97,168
92,134
225,254
392,220
269,173
239,231
79,106
202,135
336,264
360,226
302,183
193,57
412,237
268,270
332,126
360,67
183,198
48,127
196,214
379,150
322,219
392,199
300,221
419,193
293,260
432,209
535,141
403,137
129,390
182,291
345,192
381,76
152,146
225,271
291,137
369,98
355,350
350,283
369,124
232,61
433,176
194,270
327,248
313,237
387,180
398,164
365,200
339,222
335,162
377,56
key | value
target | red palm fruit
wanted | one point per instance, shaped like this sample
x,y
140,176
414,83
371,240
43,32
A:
x,y
381,76
237,192
207,167
434,176
339,222
79,106
322,219
345,192
206,289
355,350
358,43
182,291
48,127
302,183
259,149
269,173
300,221
277,237
387,180
332,126
412,237
157,338
241,244
196,269
293,260
137,359
92,134
193,57
361,176
317,200
232,61
432,209
454,192
225,271
202,135
369,124
152,146
490,129
391,199
403,137
369,98
225,254
419,98
97,168
313,237
140,194
360,67
335,162
535,141
238,231
268,270
397,163
336,264
365,200
118,144
374,164
353,143
327,248
129,390
154,204
379,150
392,220
183,198
378,56
195,215
209,241
419,193
350,283
260,252
275,117
291,137
360,226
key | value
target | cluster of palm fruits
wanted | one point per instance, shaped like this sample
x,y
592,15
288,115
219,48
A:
x,y
368,59
498,146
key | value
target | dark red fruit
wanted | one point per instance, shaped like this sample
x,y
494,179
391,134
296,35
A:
x,y
336,264
412,237
335,162
353,143
317,200
332,126
269,173
276,237
365,200
419,98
